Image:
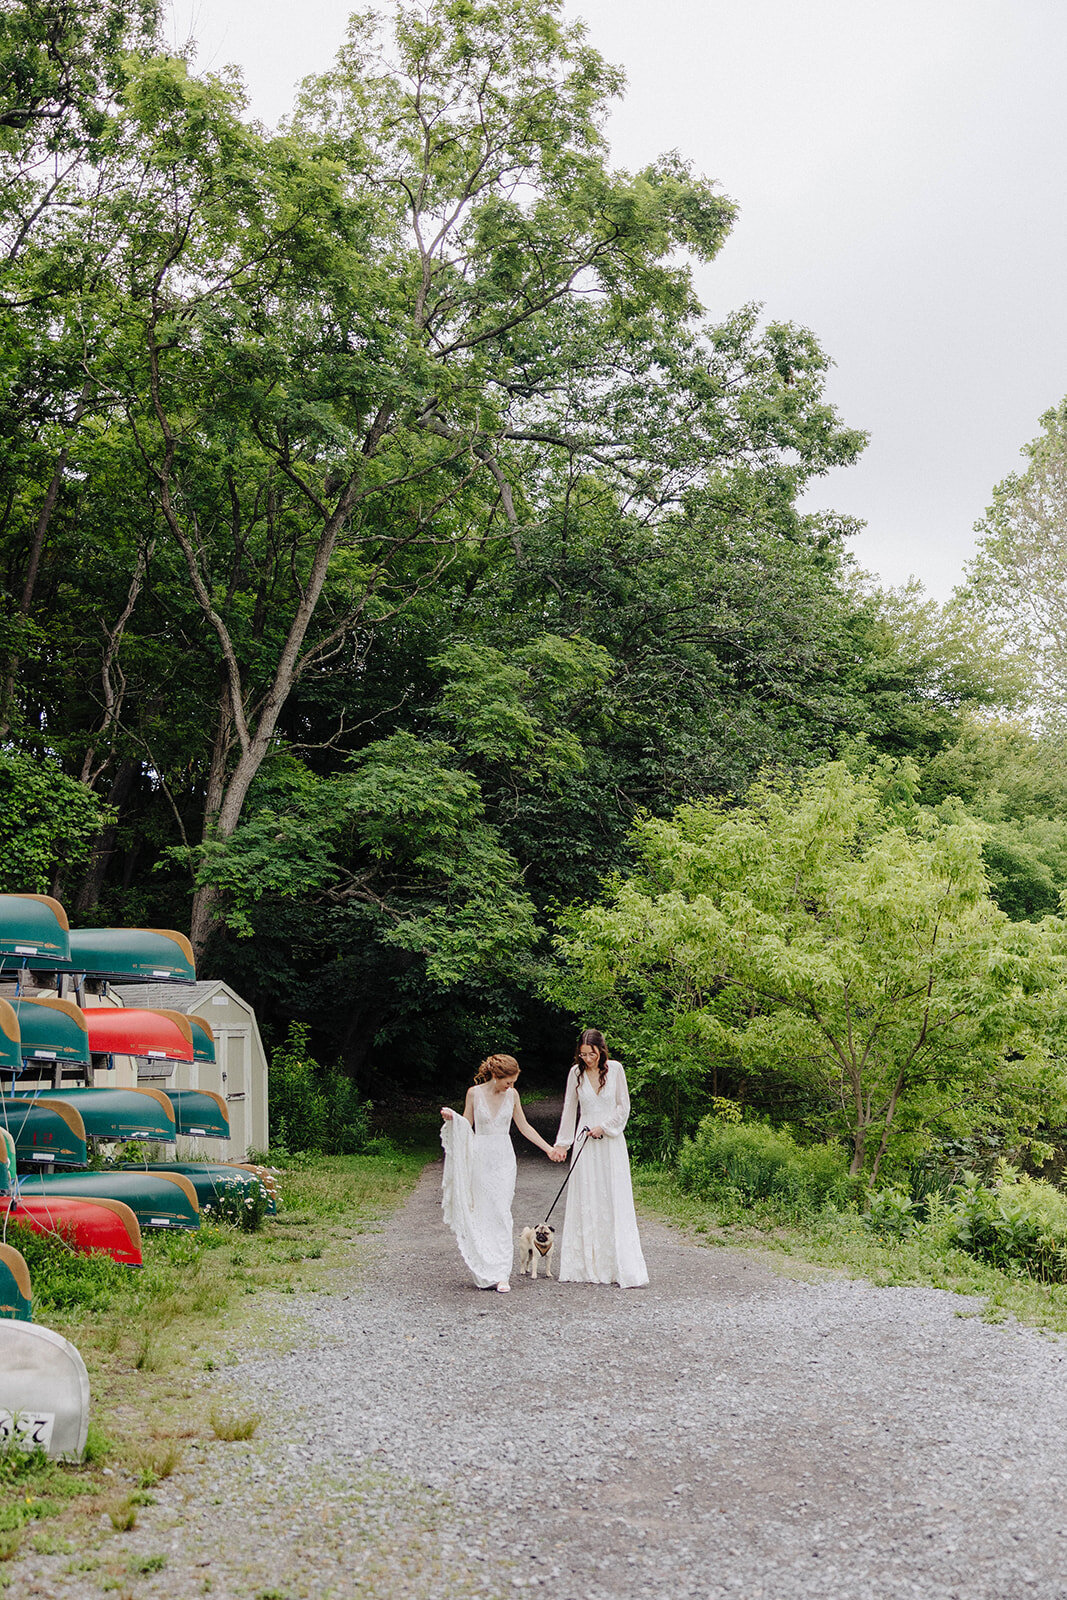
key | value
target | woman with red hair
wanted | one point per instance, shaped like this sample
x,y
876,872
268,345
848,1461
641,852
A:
x,y
479,1178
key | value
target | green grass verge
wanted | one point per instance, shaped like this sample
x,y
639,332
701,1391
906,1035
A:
x,y
151,1336
840,1241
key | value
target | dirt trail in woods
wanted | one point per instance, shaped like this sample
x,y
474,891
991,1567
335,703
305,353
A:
x,y
724,1432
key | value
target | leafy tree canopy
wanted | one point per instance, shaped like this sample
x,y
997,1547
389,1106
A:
x,y
47,820
1017,583
384,524
831,944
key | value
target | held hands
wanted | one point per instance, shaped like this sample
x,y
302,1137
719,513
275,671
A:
x,y
558,1152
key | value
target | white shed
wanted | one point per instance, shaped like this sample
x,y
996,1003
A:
x,y
239,1074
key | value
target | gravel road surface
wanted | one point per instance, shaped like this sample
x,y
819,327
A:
x,y
724,1432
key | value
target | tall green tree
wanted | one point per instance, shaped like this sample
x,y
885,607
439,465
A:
x,y
832,934
397,446
1015,780
1017,583
63,70
350,356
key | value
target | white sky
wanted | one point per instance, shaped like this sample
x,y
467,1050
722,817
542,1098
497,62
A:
x,y
900,167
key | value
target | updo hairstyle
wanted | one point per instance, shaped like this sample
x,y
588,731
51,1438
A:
x,y
497,1067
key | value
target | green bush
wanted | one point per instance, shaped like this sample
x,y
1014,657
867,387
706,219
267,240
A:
x,y
1018,1224
244,1206
892,1214
666,1109
757,1162
312,1107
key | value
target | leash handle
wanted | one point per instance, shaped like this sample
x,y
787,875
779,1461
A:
x,y
567,1179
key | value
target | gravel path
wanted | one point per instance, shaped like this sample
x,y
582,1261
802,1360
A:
x,y
724,1432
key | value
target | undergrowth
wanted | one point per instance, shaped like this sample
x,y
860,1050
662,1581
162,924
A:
x,y
758,1162
926,1252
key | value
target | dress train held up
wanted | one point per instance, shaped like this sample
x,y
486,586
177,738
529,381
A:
x,y
478,1186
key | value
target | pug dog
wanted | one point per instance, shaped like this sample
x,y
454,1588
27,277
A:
x,y
534,1243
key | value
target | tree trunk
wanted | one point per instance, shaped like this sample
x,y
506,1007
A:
x,y
859,1147
202,918
859,1130
89,890
889,1115
234,794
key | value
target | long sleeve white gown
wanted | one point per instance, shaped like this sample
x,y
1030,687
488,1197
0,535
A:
x,y
478,1186
600,1240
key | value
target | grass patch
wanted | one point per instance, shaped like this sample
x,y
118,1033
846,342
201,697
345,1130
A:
x,y
146,1564
153,1465
149,1336
230,1426
841,1241
123,1516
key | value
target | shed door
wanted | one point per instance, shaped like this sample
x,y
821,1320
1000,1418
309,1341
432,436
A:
x,y
234,1047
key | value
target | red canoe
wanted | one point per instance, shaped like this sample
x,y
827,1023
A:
x,y
124,1031
87,1225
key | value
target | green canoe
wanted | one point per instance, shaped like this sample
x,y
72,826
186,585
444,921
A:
x,y
8,1162
45,1129
16,1297
10,1040
203,1040
52,1030
120,1113
33,931
157,1200
132,955
199,1111
210,1179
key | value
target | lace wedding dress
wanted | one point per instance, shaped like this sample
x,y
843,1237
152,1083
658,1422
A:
x,y
479,1185
600,1240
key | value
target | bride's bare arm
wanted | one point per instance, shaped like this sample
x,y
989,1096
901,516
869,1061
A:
x,y
531,1133
468,1109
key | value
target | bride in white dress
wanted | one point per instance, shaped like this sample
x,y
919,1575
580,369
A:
x,y
479,1178
600,1239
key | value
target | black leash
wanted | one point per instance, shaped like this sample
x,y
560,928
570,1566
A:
x,y
567,1179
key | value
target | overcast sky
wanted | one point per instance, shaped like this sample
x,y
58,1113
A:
x,y
900,167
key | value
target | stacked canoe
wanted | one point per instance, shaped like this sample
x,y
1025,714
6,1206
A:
x,y
16,1294
46,1127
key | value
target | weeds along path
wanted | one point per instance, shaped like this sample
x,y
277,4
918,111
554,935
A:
x,y
724,1432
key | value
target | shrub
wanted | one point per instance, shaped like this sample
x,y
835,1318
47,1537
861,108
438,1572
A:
x,y
892,1214
123,1515
242,1205
313,1107
756,1162
18,1465
667,1108
1020,1223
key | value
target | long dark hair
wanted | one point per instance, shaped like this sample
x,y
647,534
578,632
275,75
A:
x,y
594,1037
